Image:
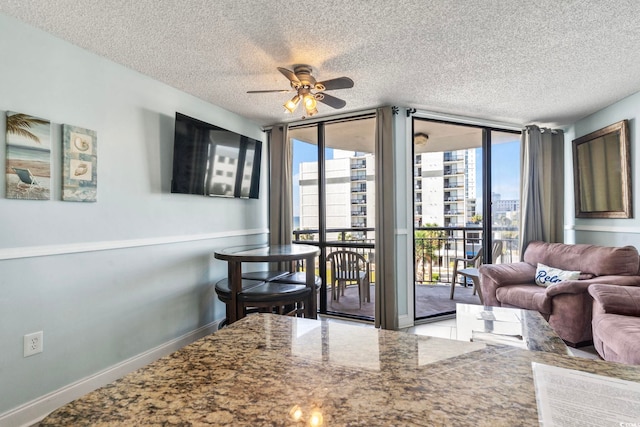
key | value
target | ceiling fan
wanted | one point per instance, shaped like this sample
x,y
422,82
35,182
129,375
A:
x,y
309,91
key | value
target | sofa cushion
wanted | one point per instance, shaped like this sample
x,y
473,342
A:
x,y
620,336
529,297
588,259
548,276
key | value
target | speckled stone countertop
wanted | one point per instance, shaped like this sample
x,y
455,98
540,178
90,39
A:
x,y
255,371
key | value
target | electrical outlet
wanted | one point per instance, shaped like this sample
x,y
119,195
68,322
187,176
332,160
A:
x,y
33,343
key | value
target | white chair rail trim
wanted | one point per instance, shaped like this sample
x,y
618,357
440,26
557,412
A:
x,y
71,248
606,228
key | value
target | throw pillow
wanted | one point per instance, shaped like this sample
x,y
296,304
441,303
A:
x,y
547,276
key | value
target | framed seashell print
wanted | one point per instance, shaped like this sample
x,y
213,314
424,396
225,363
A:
x,y
79,164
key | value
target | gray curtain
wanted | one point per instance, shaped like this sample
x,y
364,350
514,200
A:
x,y
542,186
280,187
386,301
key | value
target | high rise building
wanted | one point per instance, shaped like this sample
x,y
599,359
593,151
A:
x,y
445,188
350,193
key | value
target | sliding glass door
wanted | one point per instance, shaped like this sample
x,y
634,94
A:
x,y
466,202
334,195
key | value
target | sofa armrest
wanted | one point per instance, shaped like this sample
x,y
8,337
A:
x,y
493,276
581,286
616,299
516,273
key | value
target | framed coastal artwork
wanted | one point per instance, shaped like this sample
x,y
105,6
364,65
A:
x,y
28,160
79,164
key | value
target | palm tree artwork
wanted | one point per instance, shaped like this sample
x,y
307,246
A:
x,y
21,124
28,160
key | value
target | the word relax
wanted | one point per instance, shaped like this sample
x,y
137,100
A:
x,y
544,277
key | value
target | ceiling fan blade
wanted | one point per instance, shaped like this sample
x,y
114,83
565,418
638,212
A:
x,y
270,91
331,101
337,83
289,74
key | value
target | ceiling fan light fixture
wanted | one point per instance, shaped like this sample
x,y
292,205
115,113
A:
x,y
292,104
303,83
309,102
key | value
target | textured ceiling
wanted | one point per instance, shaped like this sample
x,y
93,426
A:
x,y
538,61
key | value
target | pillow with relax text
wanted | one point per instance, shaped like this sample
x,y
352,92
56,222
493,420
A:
x,y
547,276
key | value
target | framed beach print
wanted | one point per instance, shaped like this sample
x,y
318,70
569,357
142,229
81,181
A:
x,y
79,164
28,160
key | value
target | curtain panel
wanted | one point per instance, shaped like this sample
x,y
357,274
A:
x,y
280,190
542,192
386,301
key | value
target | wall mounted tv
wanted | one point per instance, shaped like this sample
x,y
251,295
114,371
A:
x,y
212,161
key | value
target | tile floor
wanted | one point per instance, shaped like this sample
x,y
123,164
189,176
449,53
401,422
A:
x,y
446,328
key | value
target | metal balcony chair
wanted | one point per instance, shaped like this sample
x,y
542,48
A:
x,y
348,267
470,267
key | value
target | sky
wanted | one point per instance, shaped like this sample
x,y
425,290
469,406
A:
x,y
505,168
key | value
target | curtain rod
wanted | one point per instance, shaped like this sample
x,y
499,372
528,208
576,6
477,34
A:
x,y
543,130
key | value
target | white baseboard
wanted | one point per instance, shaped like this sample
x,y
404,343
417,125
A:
x,y
34,411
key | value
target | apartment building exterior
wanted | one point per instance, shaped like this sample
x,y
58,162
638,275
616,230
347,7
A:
x,y
350,194
445,188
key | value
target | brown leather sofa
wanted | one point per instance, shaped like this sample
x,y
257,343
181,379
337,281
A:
x,y
566,305
616,322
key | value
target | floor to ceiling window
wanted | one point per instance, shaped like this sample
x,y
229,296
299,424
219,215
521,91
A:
x,y
466,199
333,197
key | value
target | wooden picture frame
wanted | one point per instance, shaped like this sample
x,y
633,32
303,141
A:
x,y
602,173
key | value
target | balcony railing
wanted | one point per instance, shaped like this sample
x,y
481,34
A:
x,y
452,158
454,185
453,171
435,247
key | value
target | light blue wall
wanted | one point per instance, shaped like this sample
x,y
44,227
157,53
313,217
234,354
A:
x,y
610,232
109,280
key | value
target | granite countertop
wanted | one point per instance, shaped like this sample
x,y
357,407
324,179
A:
x,y
255,371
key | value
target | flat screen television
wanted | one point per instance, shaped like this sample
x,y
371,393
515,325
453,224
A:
x,y
212,161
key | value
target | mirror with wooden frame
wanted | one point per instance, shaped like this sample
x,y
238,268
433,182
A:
x,y
602,173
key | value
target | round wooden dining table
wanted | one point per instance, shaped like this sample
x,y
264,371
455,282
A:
x,y
235,256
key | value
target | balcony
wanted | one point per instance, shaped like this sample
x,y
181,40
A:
x,y
454,185
435,249
453,158
453,171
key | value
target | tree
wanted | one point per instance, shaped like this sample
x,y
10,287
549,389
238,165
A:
x,y
427,243
476,219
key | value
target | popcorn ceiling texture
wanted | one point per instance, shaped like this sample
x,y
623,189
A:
x,y
542,61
